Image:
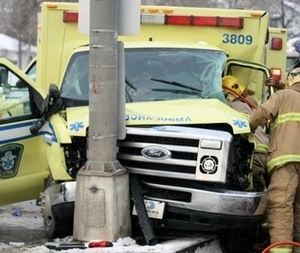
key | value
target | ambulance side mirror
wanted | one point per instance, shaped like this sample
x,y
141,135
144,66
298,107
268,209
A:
x,y
52,96
51,105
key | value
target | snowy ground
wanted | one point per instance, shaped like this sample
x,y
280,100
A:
x,y
25,234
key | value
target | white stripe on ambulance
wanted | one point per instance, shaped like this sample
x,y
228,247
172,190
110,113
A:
x,y
20,131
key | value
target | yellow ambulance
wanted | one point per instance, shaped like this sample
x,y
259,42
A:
x,y
276,53
188,149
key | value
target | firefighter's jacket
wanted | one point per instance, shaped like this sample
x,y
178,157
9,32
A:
x,y
261,138
282,109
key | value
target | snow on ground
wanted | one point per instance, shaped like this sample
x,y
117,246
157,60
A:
x,y
212,247
24,234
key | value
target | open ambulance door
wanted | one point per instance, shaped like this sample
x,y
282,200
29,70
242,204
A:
x,y
23,163
252,76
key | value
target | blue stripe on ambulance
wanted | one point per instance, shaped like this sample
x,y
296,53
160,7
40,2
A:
x,y
21,131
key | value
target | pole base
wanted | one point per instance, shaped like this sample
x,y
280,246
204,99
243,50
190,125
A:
x,y
102,206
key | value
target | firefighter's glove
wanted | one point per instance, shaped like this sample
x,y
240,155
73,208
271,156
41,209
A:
x,y
274,82
269,81
297,46
252,129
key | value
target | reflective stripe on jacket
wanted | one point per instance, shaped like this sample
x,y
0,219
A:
x,y
283,111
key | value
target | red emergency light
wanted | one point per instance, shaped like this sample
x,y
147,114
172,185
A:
x,y
276,44
276,73
190,20
204,21
70,16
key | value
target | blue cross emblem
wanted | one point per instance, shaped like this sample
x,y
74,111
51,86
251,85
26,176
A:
x,y
8,163
76,126
240,123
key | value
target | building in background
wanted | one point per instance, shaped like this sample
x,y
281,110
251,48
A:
x,y
9,48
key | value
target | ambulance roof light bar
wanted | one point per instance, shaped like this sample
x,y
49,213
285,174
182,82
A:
x,y
191,20
216,21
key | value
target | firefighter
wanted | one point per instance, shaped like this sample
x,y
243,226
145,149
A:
x,y
241,99
277,83
282,112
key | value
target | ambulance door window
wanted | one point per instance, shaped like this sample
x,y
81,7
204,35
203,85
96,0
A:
x,y
14,96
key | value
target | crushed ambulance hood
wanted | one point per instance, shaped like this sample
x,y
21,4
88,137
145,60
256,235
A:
x,y
174,112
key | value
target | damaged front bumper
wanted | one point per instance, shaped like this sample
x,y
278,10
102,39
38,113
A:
x,y
62,199
219,201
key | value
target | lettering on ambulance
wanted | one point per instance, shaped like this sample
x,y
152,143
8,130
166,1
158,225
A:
x,y
176,119
237,39
137,117
144,118
10,157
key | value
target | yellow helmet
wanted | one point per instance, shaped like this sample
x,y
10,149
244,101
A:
x,y
231,85
293,77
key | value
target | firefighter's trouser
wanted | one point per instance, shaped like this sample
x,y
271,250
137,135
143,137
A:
x,y
284,203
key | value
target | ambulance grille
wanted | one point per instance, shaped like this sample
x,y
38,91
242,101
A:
x,y
130,152
173,152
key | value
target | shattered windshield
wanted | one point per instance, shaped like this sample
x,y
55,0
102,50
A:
x,y
75,84
173,73
154,74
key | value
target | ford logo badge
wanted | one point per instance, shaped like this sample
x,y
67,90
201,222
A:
x,y
156,153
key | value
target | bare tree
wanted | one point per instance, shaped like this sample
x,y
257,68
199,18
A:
x,y
19,20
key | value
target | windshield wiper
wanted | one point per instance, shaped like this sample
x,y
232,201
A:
x,y
128,96
176,84
188,92
130,84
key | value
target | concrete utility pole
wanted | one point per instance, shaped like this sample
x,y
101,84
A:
x,y
102,205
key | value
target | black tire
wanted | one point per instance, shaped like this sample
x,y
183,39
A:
x,y
53,228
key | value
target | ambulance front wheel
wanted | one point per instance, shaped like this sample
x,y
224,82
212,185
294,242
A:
x,y
52,227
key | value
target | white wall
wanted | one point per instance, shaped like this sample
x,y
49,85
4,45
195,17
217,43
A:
x,y
9,49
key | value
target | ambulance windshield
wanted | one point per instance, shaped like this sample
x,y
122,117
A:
x,y
174,73
154,74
